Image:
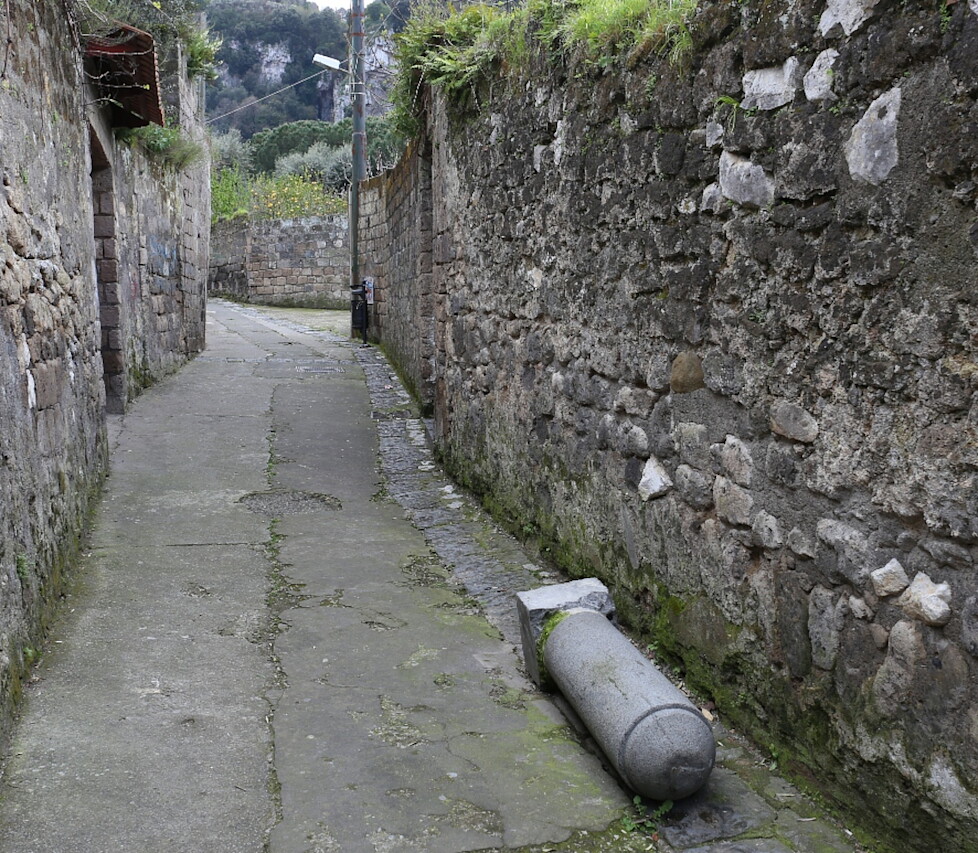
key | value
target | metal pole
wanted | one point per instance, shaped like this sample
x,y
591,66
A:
x,y
358,97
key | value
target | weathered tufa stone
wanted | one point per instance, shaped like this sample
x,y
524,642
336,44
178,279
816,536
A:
x,y
851,549
745,182
770,88
793,422
818,80
871,151
733,503
802,544
927,601
687,373
735,459
894,678
851,14
655,480
825,620
969,623
767,531
890,579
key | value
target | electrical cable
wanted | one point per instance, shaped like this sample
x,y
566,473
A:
x,y
265,97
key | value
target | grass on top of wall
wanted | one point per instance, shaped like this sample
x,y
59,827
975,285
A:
x,y
456,51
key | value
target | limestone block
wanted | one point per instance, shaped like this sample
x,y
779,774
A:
x,y
928,601
851,14
880,635
793,422
859,608
714,132
735,460
872,152
770,88
767,531
733,503
818,80
655,480
744,182
535,606
891,579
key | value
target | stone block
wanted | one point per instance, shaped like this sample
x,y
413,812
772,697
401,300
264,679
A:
x,y
104,225
535,606
818,81
686,374
793,422
655,480
872,152
891,579
735,460
744,182
927,601
733,503
770,88
694,487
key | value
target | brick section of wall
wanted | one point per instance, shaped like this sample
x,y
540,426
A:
x,y
708,330
301,262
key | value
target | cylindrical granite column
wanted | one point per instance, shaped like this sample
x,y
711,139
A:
x,y
653,735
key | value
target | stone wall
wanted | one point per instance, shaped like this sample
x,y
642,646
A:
x,y
708,330
302,262
98,267
395,236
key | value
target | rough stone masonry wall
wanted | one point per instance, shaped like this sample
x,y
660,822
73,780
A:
x,y
395,239
69,302
52,440
302,262
710,330
153,259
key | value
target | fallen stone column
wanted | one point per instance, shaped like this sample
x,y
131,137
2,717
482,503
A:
x,y
655,738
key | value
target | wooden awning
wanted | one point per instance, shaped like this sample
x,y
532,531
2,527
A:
x,y
123,67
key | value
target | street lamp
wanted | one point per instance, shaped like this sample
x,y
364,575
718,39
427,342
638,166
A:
x,y
358,97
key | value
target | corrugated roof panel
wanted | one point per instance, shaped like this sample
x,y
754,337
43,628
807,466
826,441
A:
x,y
124,68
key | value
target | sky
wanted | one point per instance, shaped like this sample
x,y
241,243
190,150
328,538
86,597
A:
x,y
333,4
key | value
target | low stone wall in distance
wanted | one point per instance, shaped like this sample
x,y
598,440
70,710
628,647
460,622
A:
x,y
300,262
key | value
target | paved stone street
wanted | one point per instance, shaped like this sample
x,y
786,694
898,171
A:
x,y
275,644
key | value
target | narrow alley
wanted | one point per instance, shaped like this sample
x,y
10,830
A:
x,y
273,644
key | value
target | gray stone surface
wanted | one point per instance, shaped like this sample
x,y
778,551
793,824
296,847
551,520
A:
x,y
652,734
890,579
819,78
745,182
872,151
770,88
535,606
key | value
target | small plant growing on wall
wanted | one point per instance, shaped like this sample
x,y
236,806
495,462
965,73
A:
x,y
165,145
